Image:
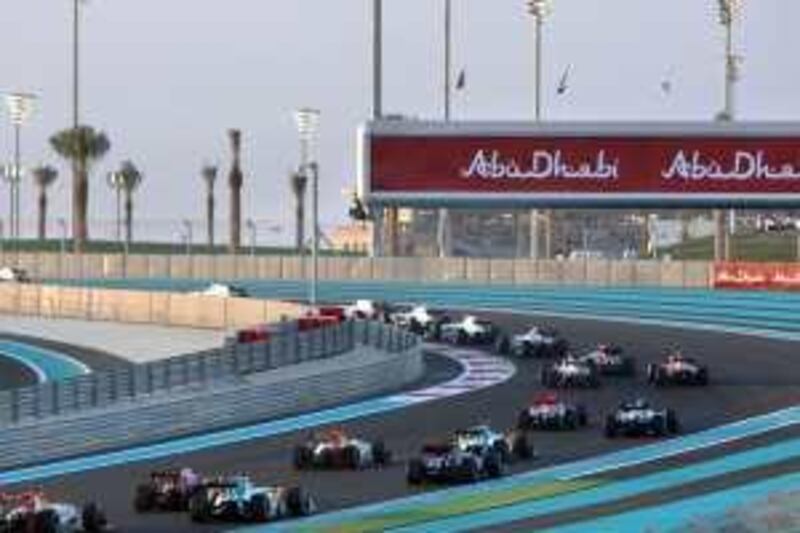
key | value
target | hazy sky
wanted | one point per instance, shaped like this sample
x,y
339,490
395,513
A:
x,y
166,78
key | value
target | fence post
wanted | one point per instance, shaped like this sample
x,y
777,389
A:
x,y
149,380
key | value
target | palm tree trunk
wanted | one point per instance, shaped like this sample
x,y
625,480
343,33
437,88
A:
x,y
235,183
80,199
236,219
128,217
210,217
42,213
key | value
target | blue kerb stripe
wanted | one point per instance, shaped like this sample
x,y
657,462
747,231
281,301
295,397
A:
x,y
678,516
589,467
48,365
621,490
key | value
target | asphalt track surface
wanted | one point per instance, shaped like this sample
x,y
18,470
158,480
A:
x,y
749,376
14,374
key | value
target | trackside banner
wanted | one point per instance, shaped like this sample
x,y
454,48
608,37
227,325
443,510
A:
x,y
757,276
717,166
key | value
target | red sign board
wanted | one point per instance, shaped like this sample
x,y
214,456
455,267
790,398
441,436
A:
x,y
757,276
632,165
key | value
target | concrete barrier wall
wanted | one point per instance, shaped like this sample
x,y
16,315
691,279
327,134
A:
x,y
170,309
693,274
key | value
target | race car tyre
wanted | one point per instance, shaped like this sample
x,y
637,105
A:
x,y
352,457
672,422
495,466
303,457
651,373
416,472
259,508
583,417
560,348
93,519
611,427
470,471
199,508
415,327
501,449
523,447
702,376
145,498
380,454
462,338
524,420
628,367
570,420
503,346
46,521
326,459
299,502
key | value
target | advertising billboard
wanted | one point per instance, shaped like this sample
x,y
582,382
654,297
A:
x,y
668,164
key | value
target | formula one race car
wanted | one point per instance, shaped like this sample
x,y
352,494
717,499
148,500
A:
x,y
32,512
365,310
610,360
167,490
536,342
335,449
677,370
550,412
570,372
470,330
237,499
639,418
222,290
420,319
14,275
482,439
448,463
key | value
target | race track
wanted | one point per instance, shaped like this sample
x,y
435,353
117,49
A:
x,y
749,376
13,373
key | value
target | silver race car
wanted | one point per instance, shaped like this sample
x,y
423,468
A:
x,y
570,372
639,418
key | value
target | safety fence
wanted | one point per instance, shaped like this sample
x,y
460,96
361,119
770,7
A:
x,y
226,366
48,265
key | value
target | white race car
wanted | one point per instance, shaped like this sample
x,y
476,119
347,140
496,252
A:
x,y
32,511
610,360
221,290
14,275
570,372
536,342
420,319
470,330
336,449
638,417
237,499
363,310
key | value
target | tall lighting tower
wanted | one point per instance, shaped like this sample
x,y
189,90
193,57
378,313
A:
x,y
307,121
539,9
20,109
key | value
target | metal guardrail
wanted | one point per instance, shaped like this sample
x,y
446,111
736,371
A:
x,y
205,370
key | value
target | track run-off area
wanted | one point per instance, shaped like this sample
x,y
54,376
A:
x,y
740,442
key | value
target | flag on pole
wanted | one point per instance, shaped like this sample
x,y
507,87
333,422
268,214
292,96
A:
x,y
461,81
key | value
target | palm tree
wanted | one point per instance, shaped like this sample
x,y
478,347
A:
x,y
131,179
209,174
81,146
298,181
235,184
43,176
